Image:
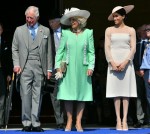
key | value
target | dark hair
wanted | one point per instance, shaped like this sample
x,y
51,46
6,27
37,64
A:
x,y
55,14
121,11
147,28
1,24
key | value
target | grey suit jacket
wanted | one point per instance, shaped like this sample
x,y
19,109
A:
x,y
20,47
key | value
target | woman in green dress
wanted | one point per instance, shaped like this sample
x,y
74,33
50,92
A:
x,y
77,51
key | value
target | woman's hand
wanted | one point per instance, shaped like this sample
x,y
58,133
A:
x,y
59,74
122,65
114,66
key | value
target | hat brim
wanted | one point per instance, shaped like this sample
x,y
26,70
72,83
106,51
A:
x,y
81,13
126,8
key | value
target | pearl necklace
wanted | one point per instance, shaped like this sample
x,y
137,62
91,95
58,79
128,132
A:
x,y
76,31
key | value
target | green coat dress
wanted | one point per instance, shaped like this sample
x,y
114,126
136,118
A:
x,y
78,52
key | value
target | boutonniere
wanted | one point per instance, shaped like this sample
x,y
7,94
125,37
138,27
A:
x,y
45,36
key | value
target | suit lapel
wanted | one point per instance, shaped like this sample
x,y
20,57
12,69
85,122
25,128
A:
x,y
25,34
53,49
40,34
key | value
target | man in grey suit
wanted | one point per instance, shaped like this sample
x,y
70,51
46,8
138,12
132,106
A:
x,y
31,52
54,23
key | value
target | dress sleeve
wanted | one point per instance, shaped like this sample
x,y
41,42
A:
x,y
132,44
61,50
91,51
107,45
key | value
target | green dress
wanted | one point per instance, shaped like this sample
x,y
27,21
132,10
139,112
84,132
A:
x,y
78,52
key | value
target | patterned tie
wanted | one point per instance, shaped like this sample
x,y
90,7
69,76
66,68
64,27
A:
x,y
57,32
33,33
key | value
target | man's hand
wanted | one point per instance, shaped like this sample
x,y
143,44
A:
x,y
17,69
8,78
49,74
89,72
142,73
138,73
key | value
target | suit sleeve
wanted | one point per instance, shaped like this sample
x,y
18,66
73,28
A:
x,y
140,47
6,60
49,53
15,49
61,50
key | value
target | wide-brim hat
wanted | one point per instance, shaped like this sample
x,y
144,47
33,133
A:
x,y
72,13
126,8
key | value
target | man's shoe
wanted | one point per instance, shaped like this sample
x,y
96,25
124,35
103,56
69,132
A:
x,y
37,129
138,125
60,126
2,126
26,129
148,125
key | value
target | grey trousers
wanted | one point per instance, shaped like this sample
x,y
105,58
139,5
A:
x,y
141,99
147,86
58,109
31,84
57,106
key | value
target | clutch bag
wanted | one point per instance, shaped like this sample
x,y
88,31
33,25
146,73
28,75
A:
x,y
63,67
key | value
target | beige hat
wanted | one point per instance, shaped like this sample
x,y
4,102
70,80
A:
x,y
72,13
126,8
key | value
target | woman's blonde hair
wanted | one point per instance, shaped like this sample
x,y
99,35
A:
x,y
81,20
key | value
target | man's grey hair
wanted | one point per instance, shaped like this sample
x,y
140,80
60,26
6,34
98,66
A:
x,y
34,9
